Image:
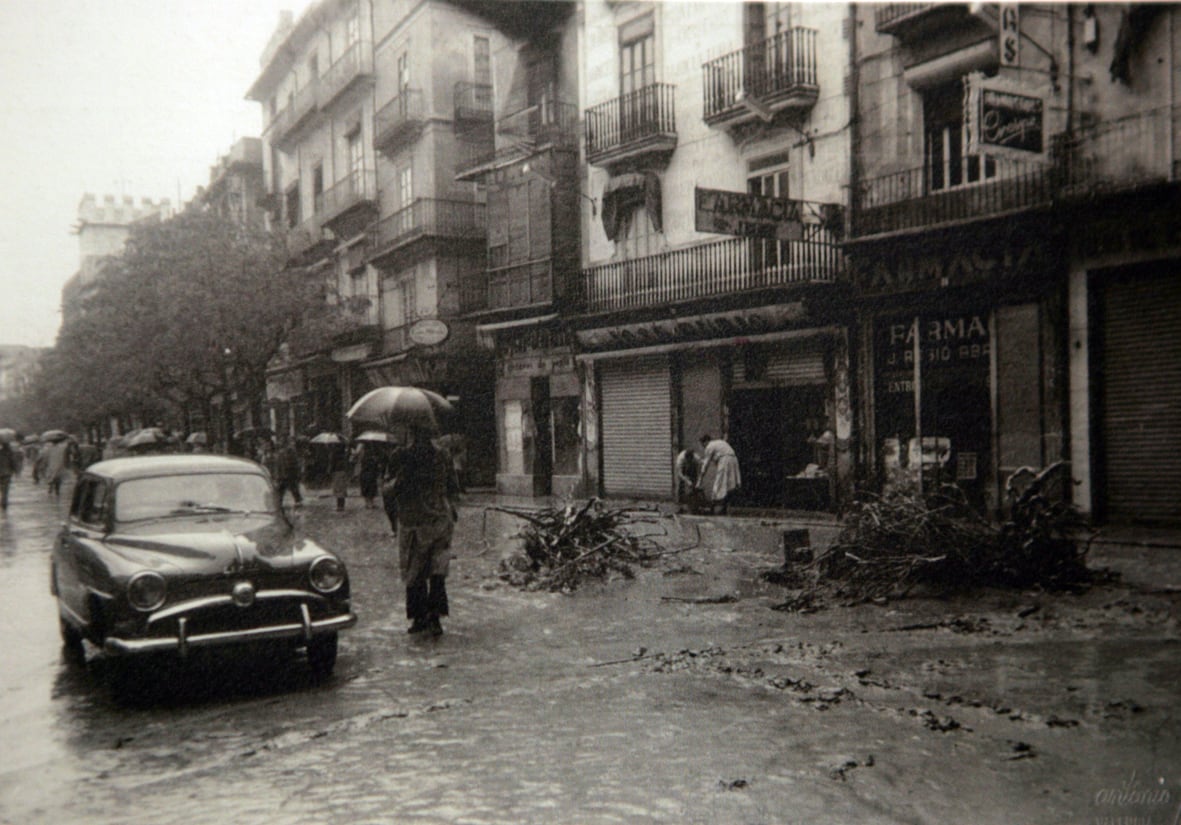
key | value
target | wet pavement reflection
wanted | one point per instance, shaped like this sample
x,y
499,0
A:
x,y
624,702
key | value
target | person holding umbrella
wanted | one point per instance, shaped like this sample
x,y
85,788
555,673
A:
x,y
425,491
8,465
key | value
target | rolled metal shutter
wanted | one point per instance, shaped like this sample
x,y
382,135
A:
x,y
1141,405
636,427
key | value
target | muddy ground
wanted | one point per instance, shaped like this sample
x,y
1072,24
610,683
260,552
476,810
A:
x,y
679,696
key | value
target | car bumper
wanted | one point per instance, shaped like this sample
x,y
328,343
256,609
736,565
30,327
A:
x,y
306,630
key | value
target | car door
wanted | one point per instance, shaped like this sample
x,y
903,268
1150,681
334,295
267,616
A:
x,y
76,559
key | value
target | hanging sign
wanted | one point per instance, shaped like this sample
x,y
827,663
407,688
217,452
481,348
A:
x,y
428,332
1003,121
747,215
1010,35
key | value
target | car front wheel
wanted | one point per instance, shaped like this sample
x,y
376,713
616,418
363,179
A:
x,y
322,655
71,640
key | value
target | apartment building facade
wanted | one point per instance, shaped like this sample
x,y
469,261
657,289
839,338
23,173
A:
x,y
526,158
366,107
712,297
1013,238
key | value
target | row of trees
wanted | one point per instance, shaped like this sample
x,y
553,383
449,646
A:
x,y
191,314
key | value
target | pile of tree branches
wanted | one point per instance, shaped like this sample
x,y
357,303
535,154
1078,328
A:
x,y
562,547
892,544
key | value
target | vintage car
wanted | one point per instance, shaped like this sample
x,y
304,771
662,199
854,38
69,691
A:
x,y
171,553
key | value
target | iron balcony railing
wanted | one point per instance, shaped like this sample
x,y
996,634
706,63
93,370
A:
x,y
773,69
630,119
710,269
354,64
307,236
1117,154
527,131
1121,153
402,115
473,101
887,15
299,106
428,217
357,187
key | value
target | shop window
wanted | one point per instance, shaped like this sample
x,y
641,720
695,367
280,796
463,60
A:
x,y
948,166
514,438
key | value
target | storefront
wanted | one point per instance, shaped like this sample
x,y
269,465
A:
x,y
964,367
1125,359
780,397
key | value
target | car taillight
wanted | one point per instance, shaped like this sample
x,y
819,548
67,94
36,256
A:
x,y
326,574
146,591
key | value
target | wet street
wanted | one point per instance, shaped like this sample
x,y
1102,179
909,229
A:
x,y
677,697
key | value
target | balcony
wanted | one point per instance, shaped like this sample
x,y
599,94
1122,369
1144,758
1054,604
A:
x,y
309,240
354,66
762,80
285,126
473,103
637,126
402,117
1119,155
524,133
710,270
913,22
355,194
515,286
1116,155
428,218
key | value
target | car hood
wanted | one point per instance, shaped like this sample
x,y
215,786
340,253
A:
x,y
206,545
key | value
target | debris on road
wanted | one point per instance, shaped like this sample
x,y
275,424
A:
x,y
562,547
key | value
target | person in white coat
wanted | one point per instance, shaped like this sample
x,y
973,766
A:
x,y
719,457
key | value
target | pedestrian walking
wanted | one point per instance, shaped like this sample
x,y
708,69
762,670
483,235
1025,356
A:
x,y
288,472
720,457
339,470
56,456
8,468
370,460
426,491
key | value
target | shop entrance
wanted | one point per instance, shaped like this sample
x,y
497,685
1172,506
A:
x,y
770,429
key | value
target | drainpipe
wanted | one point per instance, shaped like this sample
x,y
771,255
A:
x,y
857,352
1069,69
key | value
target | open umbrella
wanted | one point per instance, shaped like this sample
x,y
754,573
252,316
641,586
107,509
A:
x,y
146,437
6,435
328,438
388,407
375,435
54,435
197,438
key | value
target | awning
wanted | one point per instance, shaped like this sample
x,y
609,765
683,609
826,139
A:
x,y
625,192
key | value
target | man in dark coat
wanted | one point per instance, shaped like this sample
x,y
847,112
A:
x,y
287,472
426,491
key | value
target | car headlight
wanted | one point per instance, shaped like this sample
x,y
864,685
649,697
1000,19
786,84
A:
x,y
326,574
146,591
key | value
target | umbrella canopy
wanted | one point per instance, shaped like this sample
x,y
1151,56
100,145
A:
x,y
388,407
328,438
197,438
6,435
54,435
32,439
146,436
375,435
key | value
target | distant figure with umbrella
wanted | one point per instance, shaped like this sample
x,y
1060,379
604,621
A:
x,y
8,464
370,455
339,467
55,456
426,492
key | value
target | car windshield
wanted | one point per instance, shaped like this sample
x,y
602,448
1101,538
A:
x,y
192,494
